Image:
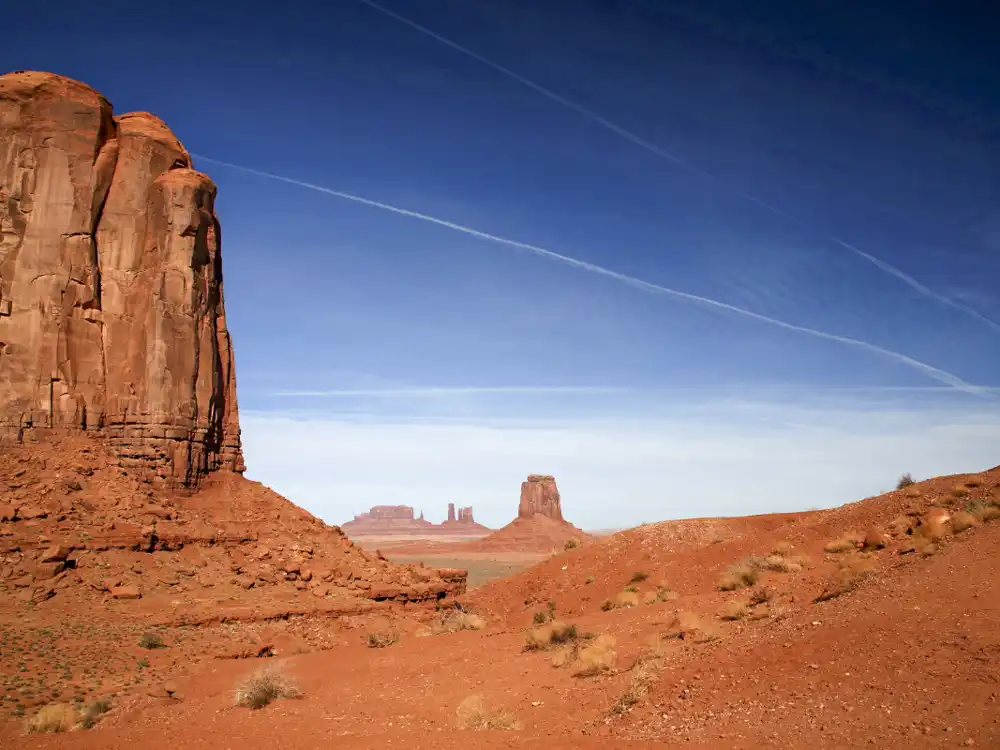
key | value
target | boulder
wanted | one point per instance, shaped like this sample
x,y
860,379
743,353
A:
x,y
126,592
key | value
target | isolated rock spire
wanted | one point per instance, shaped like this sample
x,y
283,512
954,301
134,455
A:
x,y
540,497
111,311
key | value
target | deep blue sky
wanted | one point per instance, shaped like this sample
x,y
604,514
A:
x,y
876,127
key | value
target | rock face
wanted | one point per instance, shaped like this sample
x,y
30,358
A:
x,y
465,515
111,311
540,497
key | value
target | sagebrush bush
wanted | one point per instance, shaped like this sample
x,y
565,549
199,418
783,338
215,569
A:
x,y
151,641
472,714
264,686
382,638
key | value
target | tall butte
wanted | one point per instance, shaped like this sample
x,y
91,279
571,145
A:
x,y
540,497
111,312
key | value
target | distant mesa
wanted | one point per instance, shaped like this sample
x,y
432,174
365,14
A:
x,y
399,520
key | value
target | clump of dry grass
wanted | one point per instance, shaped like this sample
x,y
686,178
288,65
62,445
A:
x,y
607,605
63,717
644,673
454,621
264,686
627,599
733,610
783,548
382,638
982,511
472,714
639,576
689,627
740,575
597,657
962,521
664,594
93,711
852,572
549,635
760,595
55,717
959,491
571,544
847,543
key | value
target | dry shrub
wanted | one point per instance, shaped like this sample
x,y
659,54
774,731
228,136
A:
x,y
689,627
93,711
959,491
962,521
972,483
760,595
564,655
782,548
571,544
56,717
540,617
901,525
639,576
982,511
382,638
455,621
644,673
847,543
740,575
853,571
151,641
733,610
472,714
607,605
551,634
664,594
650,598
627,599
905,481
760,612
264,686
596,657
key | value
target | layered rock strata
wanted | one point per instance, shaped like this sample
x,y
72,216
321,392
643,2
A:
x,y
111,310
540,497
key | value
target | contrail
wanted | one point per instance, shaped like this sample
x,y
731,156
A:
x,y
933,372
664,154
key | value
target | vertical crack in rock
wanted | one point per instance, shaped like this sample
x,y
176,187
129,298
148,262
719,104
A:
x,y
111,308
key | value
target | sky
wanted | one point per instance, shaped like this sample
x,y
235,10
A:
x,y
691,259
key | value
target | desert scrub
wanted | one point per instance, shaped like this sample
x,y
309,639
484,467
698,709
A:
x,y
904,481
597,657
93,711
740,575
151,641
639,576
264,686
56,717
382,638
962,521
846,543
472,714
549,635
454,621
733,610
852,572
571,544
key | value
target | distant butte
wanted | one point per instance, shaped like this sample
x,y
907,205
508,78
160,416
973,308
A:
x,y
399,520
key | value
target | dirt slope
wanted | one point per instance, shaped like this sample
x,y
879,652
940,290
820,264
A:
x,y
91,559
906,655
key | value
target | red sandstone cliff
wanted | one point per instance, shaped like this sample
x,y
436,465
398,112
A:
x,y
111,311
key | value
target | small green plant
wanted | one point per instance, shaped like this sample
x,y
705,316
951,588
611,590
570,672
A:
x,y
151,641
540,618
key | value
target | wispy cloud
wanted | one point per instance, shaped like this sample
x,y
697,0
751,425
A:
x,y
662,153
709,457
445,391
936,373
